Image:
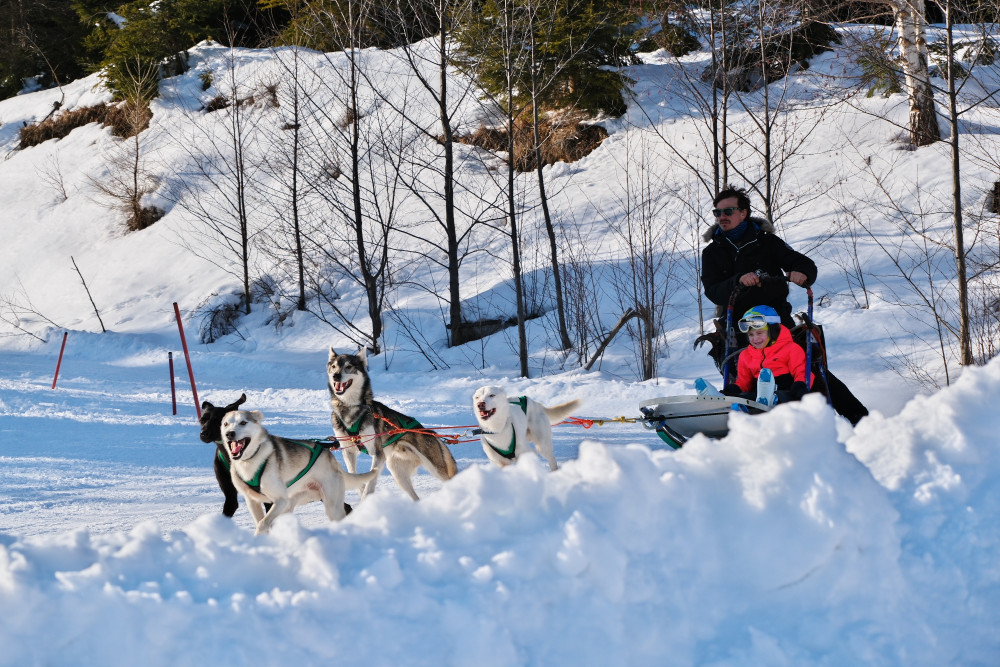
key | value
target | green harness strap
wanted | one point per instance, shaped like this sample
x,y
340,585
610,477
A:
x,y
353,431
218,452
255,482
509,452
317,451
403,424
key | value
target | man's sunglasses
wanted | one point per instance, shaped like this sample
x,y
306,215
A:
x,y
729,210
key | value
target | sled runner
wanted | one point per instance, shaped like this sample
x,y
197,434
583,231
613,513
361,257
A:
x,y
678,418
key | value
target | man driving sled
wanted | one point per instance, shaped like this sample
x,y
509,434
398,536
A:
x,y
742,251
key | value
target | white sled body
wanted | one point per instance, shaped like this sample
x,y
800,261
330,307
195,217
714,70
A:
x,y
681,417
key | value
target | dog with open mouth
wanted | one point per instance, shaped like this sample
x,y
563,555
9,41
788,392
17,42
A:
x,y
211,431
394,440
506,426
286,473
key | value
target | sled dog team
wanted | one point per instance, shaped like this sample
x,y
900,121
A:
x,y
275,474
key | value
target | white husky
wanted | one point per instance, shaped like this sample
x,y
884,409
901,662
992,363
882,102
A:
x,y
286,473
507,426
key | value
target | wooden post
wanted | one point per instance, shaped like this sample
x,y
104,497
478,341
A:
x,y
187,358
59,363
173,387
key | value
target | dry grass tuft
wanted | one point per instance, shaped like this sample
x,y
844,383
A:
x,y
565,137
125,120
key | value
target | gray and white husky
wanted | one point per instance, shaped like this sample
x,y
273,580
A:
x,y
286,473
508,425
358,419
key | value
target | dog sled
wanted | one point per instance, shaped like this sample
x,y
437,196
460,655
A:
x,y
679,418
676,419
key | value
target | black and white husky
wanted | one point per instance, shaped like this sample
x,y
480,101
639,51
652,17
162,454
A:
x,y
359,420
286,473
508,425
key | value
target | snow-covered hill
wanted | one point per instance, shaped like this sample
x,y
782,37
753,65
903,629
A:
x,y
795,540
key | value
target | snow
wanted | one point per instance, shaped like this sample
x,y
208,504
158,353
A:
x,y
795,540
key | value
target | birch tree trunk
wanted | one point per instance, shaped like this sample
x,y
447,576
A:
x,y
911,25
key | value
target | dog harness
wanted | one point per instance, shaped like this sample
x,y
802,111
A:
x,y
218,452
317,451
509,452
409,425
353,431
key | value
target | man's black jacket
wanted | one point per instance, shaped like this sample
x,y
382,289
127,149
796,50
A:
x,y
723,262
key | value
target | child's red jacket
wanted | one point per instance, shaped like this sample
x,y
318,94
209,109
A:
x,y
783,356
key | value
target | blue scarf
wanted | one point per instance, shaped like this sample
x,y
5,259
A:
x,y
737,232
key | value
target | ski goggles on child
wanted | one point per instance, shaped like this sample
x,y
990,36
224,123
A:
x,y
753,322
756,320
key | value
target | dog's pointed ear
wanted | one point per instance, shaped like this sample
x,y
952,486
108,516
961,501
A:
x,y
235,405
256,416
205,405
333,354
363,356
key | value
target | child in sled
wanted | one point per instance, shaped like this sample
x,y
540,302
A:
x,y
772,368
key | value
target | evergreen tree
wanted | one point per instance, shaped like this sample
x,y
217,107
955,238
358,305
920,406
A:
x,y
140,33
40,40
323,24
579,44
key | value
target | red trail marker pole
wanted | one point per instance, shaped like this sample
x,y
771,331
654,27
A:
x,y
187,358
173,387
59,363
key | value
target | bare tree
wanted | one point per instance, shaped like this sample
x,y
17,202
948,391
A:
x,y
507,19
957,74
19,313
646,277
956,61
585,281
436,84
544,70
347,145
522,73
431,176
510,43
711,106
883,70
284,164
218,184
89,295
51,173
920,252
128,178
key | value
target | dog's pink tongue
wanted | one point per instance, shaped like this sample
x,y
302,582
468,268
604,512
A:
x,y
236,447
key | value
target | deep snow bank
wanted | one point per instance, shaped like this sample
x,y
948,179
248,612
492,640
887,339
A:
x,y
773,546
